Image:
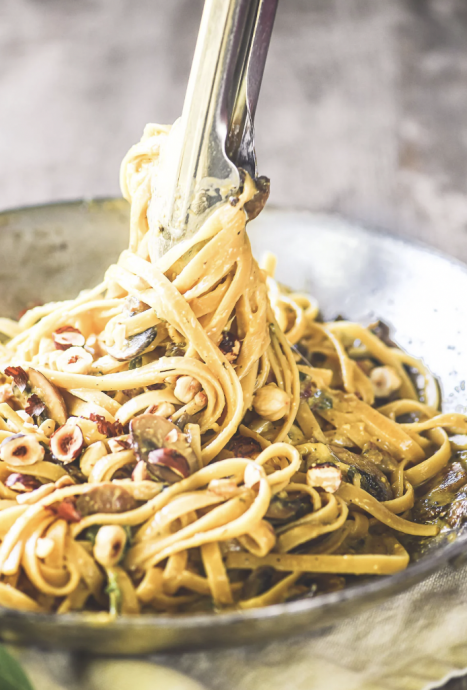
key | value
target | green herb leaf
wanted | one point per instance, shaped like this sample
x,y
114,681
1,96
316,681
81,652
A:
x,y
135,363
90,533
320,401
12,676
114,592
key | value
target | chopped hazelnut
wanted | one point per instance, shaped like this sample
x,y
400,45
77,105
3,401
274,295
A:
x,y
225,488
253,475
385,380
163,409
325,476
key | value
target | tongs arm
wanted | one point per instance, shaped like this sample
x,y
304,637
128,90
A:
x,y
215,134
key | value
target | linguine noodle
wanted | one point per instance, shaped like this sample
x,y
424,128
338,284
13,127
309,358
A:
x,y
188,435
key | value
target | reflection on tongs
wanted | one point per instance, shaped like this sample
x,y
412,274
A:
x,y
214,139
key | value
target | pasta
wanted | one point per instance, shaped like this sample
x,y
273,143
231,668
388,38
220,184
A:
x,y
188,435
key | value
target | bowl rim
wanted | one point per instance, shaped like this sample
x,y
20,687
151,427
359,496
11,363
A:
x,y
445,554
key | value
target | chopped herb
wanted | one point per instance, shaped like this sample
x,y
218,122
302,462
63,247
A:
x,y
90,533
320,401
302,376
114,592
135,363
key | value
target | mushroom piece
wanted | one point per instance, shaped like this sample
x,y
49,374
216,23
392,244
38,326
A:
x,y
229,346
244,446
23,483
285,509
50,395
255,205
68,336
257,582
149,432
105,498
135,345
66,443
372,478
167,465
21,450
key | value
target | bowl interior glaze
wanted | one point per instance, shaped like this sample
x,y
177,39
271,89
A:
x,y
51,252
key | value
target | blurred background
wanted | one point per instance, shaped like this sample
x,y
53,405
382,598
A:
x,y
363,110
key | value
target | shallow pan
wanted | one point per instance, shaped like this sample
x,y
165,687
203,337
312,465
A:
x,y
51,252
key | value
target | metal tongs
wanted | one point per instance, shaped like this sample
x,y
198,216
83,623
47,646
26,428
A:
x,y
215,137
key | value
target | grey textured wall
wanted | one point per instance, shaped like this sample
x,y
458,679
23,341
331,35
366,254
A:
x,y
363,109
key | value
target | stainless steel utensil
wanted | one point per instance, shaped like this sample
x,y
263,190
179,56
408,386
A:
x,y
215,135
52,252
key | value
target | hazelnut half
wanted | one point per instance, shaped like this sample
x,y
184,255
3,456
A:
x,y
66,443
21,450
66,337
167,465
75,360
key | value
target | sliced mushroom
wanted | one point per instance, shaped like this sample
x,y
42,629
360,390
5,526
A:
x,y
381,458
66,443
256,204
23,483
167,465
67,510
21,450
50,395
135,345
259,581
285,509
244,447
372,479
105,498
149,432
229,346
